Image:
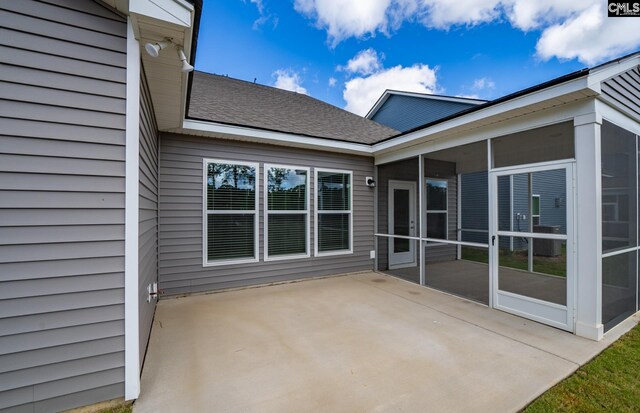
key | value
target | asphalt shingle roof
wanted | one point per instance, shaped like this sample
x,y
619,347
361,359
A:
x,y
236,102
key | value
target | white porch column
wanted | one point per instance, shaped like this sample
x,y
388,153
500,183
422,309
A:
x,y
588,216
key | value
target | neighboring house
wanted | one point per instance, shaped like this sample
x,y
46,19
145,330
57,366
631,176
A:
x,y
408,110
124,177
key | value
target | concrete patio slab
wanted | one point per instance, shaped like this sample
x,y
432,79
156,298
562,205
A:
x,y
358,343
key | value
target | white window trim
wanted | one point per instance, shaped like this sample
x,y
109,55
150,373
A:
x,y
266,213
317,212
539,207
206,213
438,211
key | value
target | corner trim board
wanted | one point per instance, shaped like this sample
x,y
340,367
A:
x,y
132,153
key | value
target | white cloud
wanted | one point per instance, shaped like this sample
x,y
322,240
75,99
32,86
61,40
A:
x,y
265,17
333,81
590,37
346,18
483,83
442,14
570,29
527,15
361,93
258,4
288,79
364,63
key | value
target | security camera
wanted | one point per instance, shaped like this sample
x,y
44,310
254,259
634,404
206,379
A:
x,y
369,181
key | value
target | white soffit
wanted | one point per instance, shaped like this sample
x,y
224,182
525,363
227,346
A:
x,y
154,21
177,12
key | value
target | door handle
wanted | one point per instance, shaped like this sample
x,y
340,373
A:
x,y
493,240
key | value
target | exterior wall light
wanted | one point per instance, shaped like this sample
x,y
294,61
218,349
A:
x,y
186,67
153,49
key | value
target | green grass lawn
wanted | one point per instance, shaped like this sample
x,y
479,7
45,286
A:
x,y
609,383
519,260
120,409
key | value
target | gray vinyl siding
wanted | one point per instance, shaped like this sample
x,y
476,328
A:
x,y
551,186
623,91
181,216
445,170
405,170
62,117
475,206
407,112
148,213
520,206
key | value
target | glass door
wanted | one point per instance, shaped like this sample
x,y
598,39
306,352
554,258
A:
x,y
402,218
532,242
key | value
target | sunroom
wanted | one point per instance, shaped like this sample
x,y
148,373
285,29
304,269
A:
x,y
528,204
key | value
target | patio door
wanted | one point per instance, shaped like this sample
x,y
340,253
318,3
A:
x,y
402,222
531,242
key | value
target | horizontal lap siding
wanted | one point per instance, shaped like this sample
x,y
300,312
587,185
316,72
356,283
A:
x,y
406,170
446,171
623,91
181,249
62,112
148,208
407,112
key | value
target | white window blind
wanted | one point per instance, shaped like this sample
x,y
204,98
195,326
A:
x,y
333,211
230,212
286,212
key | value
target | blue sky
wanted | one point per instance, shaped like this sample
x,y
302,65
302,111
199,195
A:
x,y
346,52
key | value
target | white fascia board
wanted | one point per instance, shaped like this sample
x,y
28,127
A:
x,y
132,170
541,118
437,97
378,105
547,94
178,12
598,75
213,129
385,96
614,115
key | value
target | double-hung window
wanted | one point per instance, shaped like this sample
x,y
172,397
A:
x,y
286,212
230,206
333,220
437,208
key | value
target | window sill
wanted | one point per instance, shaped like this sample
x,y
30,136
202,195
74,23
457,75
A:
x,y
229,262
332,253
286,257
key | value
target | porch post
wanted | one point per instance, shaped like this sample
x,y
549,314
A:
x,y
375,217
420,207
588,219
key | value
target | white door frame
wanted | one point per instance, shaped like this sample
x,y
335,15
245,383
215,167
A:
x,y
538,310
403,259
